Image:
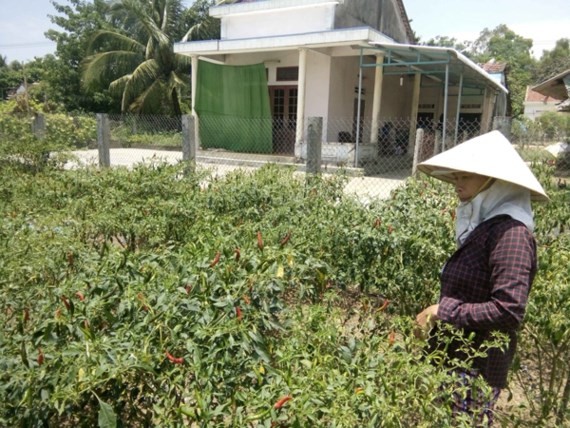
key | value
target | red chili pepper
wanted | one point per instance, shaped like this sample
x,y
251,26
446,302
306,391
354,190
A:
x,y
259,240
40,357
391,338
285,239
238,254
216,259
390,229
188,288
70,258
384,305
80,296
58,313
66,302
238,313
26,315
377,223
173,359
246,299
282,401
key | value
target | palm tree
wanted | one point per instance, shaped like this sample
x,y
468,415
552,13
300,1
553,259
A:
x,y
203,27
138,62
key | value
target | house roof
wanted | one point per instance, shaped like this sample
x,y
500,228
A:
x,y
493,67
555,86
536,97
406,20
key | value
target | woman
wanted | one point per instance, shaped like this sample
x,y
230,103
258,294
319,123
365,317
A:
x,y
486,282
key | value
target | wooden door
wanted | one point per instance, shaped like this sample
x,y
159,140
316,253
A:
x,y
284,110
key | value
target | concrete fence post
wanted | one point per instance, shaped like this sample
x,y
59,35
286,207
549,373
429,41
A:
x,y
103,140
188,142
39,126
314,143
418,146
437,142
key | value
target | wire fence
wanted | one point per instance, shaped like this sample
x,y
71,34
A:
x,y
377,157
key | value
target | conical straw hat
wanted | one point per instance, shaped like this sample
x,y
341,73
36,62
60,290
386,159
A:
x,y
491,155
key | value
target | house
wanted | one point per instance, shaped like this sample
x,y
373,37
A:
x,y
535,104
498,71
350,62
557,87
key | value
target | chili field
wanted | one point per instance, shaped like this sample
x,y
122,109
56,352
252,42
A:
x,y
151,297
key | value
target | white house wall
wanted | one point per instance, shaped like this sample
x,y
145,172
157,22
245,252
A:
x,y
317,84
343,94
278,22
532,110
395,98
343,79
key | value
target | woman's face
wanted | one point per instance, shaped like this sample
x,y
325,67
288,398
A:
x,y
467,185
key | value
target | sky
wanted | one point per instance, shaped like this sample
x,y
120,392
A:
x,y
544,21
23,22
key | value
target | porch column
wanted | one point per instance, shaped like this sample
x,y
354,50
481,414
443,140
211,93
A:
x,y
377,99
194,83
299,141
414,112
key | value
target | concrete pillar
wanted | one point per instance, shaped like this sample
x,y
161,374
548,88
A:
x,y
194,84
417,149
103,140
299,131
188,143
314,143
377,100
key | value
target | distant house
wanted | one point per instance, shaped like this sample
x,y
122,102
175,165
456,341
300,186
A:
x,y
351,63
536,104
557,87
498,72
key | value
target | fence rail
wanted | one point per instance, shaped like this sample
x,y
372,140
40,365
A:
x,y
379,156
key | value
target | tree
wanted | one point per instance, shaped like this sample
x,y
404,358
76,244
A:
x,y
140,65
503,44
10,78
447,42
553,62
200,25
78,19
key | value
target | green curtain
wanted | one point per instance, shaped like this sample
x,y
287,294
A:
x,y
232,103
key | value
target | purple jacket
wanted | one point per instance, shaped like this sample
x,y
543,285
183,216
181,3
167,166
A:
x,y
485,286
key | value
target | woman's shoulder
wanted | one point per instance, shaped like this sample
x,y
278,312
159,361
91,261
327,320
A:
x,y
507,229
501,226
505,222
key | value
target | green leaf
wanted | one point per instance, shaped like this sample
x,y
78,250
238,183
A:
x,y
107,417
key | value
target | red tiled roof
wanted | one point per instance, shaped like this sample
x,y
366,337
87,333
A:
x,y
494,67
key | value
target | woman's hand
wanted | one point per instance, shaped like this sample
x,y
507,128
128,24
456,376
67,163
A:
x,y
426,319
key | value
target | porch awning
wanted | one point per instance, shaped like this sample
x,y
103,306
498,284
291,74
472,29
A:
x,y
432,62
